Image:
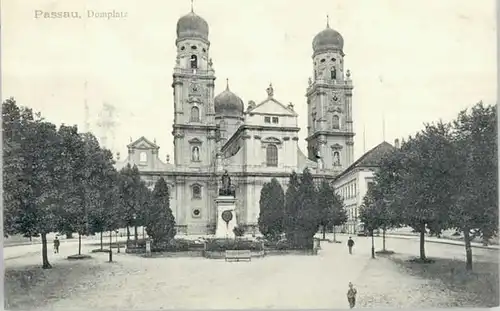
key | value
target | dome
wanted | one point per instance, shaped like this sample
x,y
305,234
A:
x,y
228,104
328,39
192,26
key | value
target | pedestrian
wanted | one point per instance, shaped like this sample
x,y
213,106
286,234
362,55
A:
x,y
351,295
350,244
56,245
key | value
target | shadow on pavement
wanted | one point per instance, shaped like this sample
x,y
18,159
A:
x,y
31,287
479,288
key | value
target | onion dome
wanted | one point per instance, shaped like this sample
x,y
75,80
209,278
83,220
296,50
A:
x,y
192,26
328,39
228,104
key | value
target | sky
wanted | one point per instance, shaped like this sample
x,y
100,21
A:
x,y
411,62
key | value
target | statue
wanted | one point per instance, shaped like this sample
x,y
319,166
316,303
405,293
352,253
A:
x,y
270,90
309,81
210,63
226,188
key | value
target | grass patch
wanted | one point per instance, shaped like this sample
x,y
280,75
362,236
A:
x,y
31,287
79,257
385,252
478,288
98,250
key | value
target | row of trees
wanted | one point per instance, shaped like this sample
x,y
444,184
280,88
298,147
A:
x,y
60,180
443,178
301,211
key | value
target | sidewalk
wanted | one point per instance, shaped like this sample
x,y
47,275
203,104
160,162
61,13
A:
x,y
442,241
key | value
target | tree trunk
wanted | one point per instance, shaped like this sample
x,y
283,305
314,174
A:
x,y
128,234
136,236
324,232
334,236
422,242
383,239
79,243
45,258
31,238
468,250
101,242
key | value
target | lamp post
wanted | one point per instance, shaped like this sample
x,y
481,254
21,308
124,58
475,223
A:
x,y
117,243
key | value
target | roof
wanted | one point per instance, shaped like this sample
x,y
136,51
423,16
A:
x,y
370,159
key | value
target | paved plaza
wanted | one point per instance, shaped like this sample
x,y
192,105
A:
x,y
272,282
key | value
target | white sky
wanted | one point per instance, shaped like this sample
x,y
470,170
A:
x,y
414,61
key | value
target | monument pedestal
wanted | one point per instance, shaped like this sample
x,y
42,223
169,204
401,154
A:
x,y
226,216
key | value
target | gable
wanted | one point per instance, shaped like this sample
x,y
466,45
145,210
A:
x,y
142,143
272,106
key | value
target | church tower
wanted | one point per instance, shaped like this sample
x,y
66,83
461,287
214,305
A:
x,y
193,83
329,104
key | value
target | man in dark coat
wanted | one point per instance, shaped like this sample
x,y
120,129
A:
x,y
350,244
56,245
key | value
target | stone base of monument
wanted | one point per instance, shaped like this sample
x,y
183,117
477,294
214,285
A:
x,y
226,217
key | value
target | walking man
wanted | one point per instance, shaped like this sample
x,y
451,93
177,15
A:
x,y
350,244
351,295
56,245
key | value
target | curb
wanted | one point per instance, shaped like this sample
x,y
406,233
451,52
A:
x,y
444,242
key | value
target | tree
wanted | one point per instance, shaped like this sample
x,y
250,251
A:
x,y
331,207
160,224
13,188
35,171
308,214
130,197
421,197
272,210
291,207
103,216
476,185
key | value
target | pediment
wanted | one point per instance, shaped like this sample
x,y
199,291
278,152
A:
x,y
271,140
143,143
195,141
337,147
335,108
272,106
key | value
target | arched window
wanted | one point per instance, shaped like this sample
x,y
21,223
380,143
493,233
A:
x,y
195,156
194,62
272,155
333,73
143,157
195,114
336,158
336,122
196,192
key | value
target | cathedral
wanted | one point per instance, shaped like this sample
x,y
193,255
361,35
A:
x,y
254,142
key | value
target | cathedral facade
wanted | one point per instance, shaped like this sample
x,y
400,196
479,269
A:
x,y
254,142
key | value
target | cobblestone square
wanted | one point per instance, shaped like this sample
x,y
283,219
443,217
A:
x,y
273,282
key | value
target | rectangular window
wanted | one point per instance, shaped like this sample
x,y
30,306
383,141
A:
x,y
369,185
275,120
267,119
